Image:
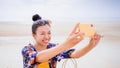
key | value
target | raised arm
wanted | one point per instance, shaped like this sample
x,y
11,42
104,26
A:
x,y
71,41
80,52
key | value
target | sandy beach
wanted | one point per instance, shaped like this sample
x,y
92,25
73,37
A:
x,y
14,36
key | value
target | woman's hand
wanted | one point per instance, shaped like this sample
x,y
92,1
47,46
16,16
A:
x,y
94,40
80,52
74,37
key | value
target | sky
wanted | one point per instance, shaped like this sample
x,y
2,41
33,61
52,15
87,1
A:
x,y
59,10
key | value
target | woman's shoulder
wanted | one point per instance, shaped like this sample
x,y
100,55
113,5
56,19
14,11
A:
x,y
28,47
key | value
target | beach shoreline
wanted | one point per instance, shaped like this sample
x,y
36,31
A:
x,y
13,37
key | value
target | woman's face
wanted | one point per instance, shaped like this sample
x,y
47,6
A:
x,y
43,35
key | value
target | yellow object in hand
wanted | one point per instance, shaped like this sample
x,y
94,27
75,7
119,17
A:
x,y
87,29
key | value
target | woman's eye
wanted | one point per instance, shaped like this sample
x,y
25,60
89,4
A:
x,y
42,33
49,33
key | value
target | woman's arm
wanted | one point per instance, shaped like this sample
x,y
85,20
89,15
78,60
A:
x,y
71,41
45,55
80,52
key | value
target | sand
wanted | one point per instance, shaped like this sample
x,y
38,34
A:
x,y
14,36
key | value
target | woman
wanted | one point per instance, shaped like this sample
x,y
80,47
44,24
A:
x,y
48,53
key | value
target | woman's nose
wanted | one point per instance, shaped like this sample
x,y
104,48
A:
x,y
47,36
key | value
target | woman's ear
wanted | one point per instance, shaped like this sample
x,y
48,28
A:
x,y
50,22
34,35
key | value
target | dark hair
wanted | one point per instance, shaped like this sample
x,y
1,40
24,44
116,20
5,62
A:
x,y
38,21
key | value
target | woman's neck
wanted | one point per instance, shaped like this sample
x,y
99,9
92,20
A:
x,y
39,47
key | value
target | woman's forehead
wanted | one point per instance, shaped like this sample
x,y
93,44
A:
x,y
44,28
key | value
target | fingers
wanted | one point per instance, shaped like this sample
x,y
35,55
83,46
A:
x,y
75,28
96,36
95,39
80,35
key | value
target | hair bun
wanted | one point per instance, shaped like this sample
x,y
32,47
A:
x,y
36,17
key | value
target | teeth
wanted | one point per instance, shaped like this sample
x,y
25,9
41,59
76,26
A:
x,y
45,40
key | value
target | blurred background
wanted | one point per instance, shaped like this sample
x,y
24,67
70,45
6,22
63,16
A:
x,y
16,21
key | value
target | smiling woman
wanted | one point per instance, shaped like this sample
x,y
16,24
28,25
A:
x,y
32,54
45,54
